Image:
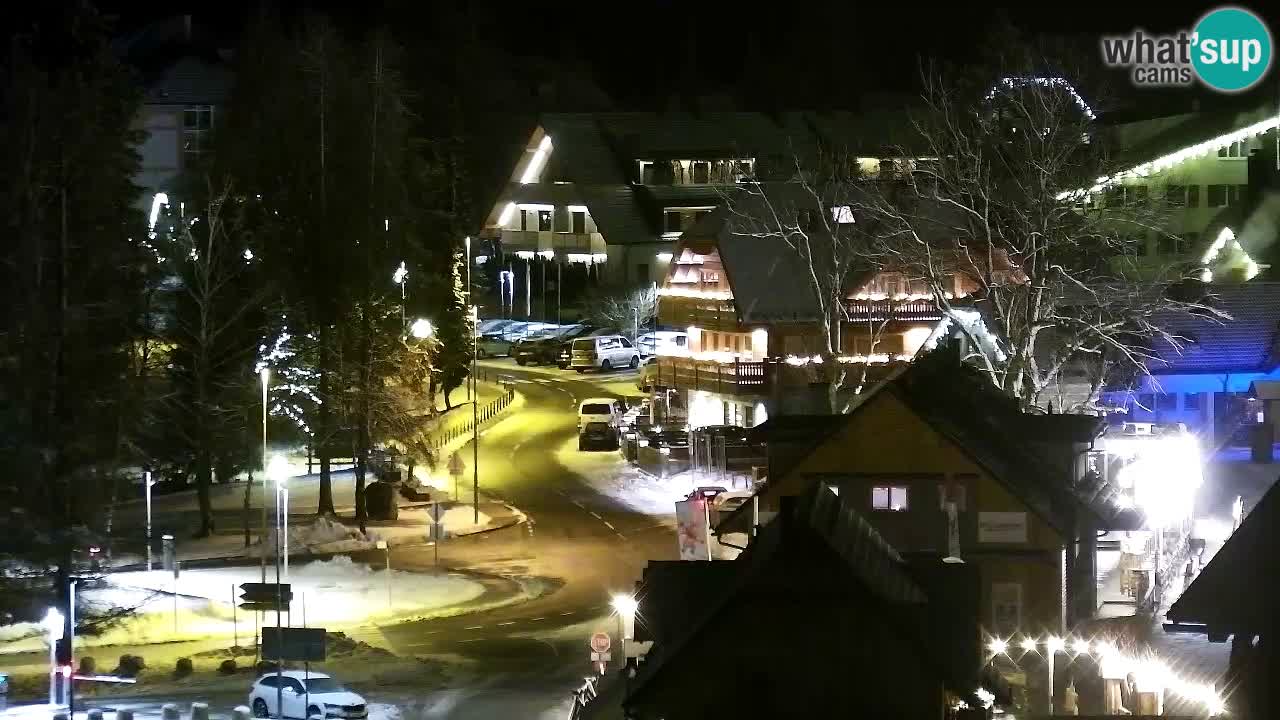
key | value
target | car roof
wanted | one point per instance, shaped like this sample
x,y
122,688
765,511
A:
x,y
596,400
299,674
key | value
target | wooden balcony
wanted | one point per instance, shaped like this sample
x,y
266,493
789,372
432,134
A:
x,y
910,311
737,378
561,242
707,314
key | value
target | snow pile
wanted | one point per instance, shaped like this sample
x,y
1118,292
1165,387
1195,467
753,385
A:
x,y
609,474
459,518
325,535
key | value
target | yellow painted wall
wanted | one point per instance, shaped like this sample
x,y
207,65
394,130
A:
x,y
885,436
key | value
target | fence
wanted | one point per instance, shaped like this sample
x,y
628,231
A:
x,y
735,377
482,415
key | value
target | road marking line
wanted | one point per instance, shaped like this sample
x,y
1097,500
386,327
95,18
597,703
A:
x,y
566,613
575,502
513,622
537,619
596,515
474,627
608,525
471,640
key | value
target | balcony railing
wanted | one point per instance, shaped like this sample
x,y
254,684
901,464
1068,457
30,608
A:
x,y
704,313
893,310
727,378
539,240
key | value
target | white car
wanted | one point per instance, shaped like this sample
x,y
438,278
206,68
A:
x,y
601,410
667,342
305,695
604,352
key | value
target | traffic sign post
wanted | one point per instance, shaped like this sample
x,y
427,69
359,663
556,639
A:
x,y
265,596
600,643
456,468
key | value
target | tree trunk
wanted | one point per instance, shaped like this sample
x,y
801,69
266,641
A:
x,y
323,422
204,471
364,440
245,514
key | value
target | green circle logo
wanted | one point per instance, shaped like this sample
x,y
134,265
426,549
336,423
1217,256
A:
x,y
1231,49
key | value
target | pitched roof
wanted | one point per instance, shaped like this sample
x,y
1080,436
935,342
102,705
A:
x,y
1244,342
1144,140
1237,590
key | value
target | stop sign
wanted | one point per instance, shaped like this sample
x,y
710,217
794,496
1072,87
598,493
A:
x,y
600,642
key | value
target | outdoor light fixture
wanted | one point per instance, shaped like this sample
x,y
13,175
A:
x,y
525,254
624,604
998,646
1080,646
547,254
53,622
1054,644
278,470
1028,644
665,257
398,277
422,329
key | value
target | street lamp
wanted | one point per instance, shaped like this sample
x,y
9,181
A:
x,y
147,483
475,422
625,605
398,277
278,472
422,329
467,240
1053,645
53,622
265,373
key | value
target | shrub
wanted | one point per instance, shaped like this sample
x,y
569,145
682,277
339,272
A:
x,y
183,668
88,666
130,666
227,667
265,666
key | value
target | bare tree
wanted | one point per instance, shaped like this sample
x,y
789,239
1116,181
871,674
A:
x,y
1001,191
630,312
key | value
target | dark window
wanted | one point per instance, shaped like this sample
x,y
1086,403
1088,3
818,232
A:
x,y
1190,241
1176,195
672,221
648,173
888,168
1218,196
701,173
1236,149
596,409
197,123
294,685
269,681
889,497
624,342
544,220
1191,401
1135,195
1114,196
524,219
1147,401
697,216
1193,196
642,272
1242,192
1167,402
579,222
1173,244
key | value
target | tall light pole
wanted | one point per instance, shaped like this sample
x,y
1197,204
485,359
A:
x,y
398,277
625,606
146,481
278,472
262,536
53,622
475,429
467,240
528,290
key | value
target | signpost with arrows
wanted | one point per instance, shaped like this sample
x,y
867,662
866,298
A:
x,y
456,468
265,597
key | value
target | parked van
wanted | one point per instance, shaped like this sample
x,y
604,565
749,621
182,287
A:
x,y
603,352
666,342
601,410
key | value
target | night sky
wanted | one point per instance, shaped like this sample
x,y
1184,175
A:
x,y
642,52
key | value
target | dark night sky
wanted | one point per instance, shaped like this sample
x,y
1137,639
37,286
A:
x,y
638,51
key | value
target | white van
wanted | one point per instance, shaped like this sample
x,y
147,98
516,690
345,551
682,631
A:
x,y
603,352
667,342
601,410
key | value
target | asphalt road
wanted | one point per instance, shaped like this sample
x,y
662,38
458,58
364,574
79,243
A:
x,y
580,546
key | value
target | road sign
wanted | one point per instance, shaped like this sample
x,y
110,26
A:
x,y
265,596
456,466
601,657
298,644
601,643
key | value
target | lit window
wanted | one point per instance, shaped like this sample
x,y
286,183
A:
x,y
544,221
889,497
197,123
842,214
1237,149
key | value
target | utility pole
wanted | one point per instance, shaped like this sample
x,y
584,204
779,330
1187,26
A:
x,y
469,304
475,431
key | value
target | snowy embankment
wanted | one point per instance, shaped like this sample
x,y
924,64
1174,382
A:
x,y
329,593
611,475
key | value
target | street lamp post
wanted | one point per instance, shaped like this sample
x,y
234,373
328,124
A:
x,y
467,240
1053,646
625,606
475,427
278,472
262,536
53,622
146,481
398,277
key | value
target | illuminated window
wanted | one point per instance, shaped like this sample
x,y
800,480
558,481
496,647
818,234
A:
x,y
197,124
544,220
892,498
1237,149
842,214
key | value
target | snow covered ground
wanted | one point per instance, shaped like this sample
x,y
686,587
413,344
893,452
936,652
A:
x,y
329,593
611,475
